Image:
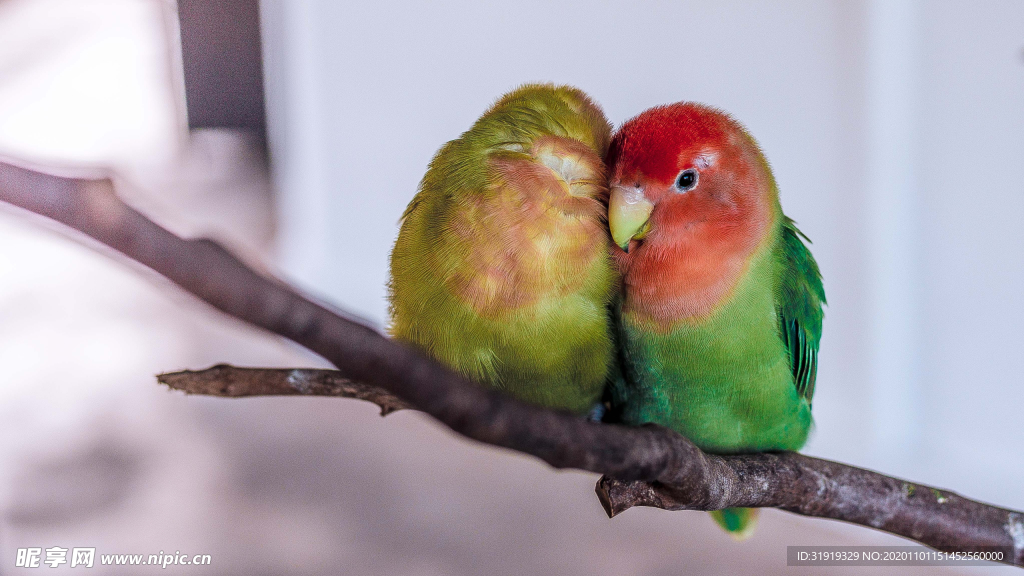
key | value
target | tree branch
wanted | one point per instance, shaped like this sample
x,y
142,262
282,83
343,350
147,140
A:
x,y
649,465
233,382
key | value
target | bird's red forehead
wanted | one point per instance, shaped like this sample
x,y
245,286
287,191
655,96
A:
x,y
651,143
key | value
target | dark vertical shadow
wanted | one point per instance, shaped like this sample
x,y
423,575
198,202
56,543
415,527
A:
x,y
223,62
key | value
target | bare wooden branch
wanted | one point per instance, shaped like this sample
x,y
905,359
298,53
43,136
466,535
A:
x,y
790,481
815,487
234,382
651,465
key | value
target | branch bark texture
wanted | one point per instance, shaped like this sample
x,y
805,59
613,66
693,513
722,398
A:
x,y
233,382
649,465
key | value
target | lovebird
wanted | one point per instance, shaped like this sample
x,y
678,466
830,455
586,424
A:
x,y
721,309
502,268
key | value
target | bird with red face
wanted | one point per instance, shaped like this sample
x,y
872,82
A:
x,y
721,309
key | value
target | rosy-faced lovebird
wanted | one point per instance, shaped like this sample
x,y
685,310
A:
x,y
502,268
721,309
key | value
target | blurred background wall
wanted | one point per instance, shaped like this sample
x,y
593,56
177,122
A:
x,y
896,132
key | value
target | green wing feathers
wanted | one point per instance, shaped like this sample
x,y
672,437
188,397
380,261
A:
x,y
800,314
800,307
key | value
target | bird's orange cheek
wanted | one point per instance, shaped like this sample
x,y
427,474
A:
x,y
673,213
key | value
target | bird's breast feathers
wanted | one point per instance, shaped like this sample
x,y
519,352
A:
x,y
688,279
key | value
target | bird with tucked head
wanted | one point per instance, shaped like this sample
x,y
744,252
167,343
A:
x,y
501,269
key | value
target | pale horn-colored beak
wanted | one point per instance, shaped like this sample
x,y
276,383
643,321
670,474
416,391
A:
x,y
628,214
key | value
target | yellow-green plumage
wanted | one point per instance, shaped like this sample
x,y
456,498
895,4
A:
x,y
501,268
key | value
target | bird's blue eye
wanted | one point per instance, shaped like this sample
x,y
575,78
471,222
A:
x,y
687,180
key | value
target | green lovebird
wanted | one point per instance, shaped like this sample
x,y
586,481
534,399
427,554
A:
x,y
502,268
721,307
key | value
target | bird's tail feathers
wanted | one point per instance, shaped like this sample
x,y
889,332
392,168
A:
x,y
738,522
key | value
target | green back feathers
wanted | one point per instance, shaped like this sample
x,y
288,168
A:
x,y
501,268
800,307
